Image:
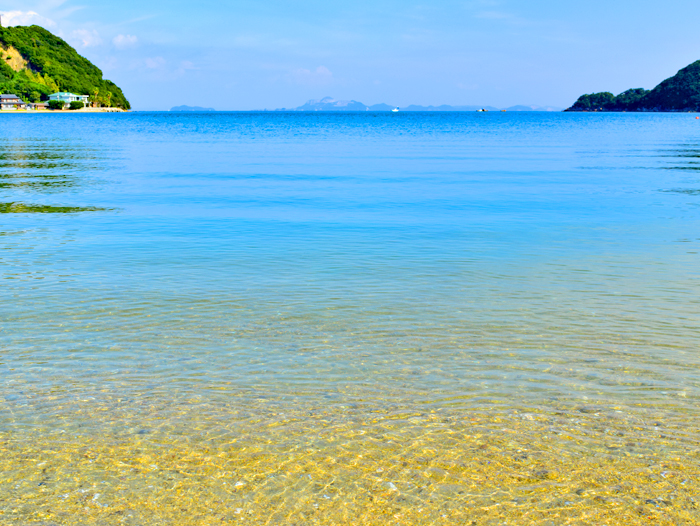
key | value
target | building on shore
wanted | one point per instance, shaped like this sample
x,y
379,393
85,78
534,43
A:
x,y
11,102
37,106
67,97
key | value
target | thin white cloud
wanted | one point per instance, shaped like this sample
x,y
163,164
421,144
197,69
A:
x,y
125,41
109,64
155,63
52,4
321,76
161,69
85,38
25,18
185,66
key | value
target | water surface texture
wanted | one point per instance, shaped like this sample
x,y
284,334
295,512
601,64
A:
x,y
277,318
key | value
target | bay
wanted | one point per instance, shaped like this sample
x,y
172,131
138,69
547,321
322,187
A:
x,y
349,317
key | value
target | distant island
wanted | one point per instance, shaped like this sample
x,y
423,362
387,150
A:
x,y
331,104
36,63
678,93
190,108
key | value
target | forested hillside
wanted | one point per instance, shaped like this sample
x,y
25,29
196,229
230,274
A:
x,y
35,63
678,93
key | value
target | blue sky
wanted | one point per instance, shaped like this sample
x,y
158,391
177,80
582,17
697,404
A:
x,y
251,54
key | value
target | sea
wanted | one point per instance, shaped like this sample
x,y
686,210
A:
x,y
349,318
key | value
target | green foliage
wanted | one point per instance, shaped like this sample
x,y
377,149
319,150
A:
x,y
628,100
56,104
76,105
593,102
6,72
678,93
53,66
606,101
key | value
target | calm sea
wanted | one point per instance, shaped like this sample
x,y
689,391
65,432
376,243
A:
x,y
371,318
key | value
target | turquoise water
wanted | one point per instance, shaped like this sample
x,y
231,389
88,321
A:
x,y
172,277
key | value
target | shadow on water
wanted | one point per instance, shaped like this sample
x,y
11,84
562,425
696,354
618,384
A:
x,y
33,166
685,191
23,208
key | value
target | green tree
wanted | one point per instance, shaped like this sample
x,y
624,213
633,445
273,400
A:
x,y
51,64
56,104
593,102
678,93
628,100
76,105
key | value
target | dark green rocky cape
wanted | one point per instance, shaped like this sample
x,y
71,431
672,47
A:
x,y
678,93
35,63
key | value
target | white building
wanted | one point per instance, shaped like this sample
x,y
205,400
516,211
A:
x,y
67,98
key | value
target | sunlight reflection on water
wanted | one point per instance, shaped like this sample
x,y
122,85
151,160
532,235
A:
x,y
350,318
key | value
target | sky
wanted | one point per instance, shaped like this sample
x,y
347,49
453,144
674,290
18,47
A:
x,y
256,54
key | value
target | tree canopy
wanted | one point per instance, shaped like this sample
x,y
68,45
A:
x,y
678,93
606,101
593,101
35,63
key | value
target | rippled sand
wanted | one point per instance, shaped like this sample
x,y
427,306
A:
x,y
179,462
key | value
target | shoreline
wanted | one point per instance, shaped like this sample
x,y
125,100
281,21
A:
x,y
82,110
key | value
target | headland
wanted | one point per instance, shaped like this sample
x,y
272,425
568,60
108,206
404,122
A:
x,y
679,93
40,68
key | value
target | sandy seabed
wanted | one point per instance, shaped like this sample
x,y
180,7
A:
x,y
199,462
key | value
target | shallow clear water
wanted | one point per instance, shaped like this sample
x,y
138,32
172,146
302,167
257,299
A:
x,y
304,318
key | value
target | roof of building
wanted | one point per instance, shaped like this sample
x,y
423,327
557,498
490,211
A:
x,y
8,96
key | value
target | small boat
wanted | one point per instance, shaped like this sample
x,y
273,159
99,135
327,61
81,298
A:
x,y
395,109
482,109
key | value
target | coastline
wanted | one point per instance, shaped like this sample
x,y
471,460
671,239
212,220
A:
x,y
82,110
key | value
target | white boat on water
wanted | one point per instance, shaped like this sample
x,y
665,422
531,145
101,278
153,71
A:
x,y
395,109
